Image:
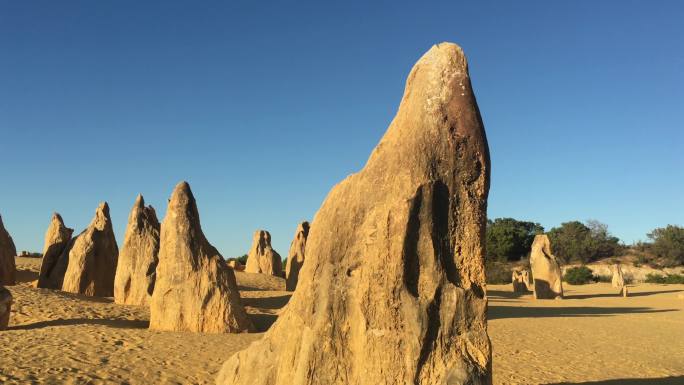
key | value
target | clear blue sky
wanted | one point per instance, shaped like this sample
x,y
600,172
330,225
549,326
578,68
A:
x,y
264,106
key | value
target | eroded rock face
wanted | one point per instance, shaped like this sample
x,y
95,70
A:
x,y
393,290
295,258
195,290
55,254
236,265
545,269
137,265
261,257
618,280
93,256
8,268
5,307
521,281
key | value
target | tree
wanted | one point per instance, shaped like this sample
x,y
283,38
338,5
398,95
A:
x,y
668,243
509,239
576,242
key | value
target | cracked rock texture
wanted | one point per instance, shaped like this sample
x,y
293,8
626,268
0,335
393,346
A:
x,y
393,288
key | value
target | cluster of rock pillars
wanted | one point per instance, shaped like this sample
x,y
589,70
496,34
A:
x,y
388,281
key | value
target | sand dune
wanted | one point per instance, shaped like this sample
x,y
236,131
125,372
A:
x,y
592,337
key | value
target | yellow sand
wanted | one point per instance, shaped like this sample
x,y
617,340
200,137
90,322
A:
x,y
594,335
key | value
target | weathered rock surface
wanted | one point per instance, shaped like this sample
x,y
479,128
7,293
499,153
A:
x,y
195,290
295,258
618,280
8,268
236,265
261,257
546,269
393,290
137,265
521,281
5,307
55,254
93,256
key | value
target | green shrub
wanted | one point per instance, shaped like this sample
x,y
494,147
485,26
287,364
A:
x,y
579,275
498,273
578,242
641,260
669,279
242,259
668,243
509,239
603,278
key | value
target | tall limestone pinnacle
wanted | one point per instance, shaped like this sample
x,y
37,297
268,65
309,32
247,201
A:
x,y
261,257
54,264
93,256
8,268
296,256
136,269
195,290
546,270
393,287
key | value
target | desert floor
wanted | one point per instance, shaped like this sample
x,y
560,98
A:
x,y
592,337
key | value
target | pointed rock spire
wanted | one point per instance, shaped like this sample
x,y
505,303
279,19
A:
x,y
92,258
261,257
393,291
546,270
195,290
54,264
8,269
136,268
295,258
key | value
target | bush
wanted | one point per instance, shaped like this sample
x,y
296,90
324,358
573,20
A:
x,y
242,259
603,278
641,260
669,279
509,239
577,242
579,275
498,273
668,243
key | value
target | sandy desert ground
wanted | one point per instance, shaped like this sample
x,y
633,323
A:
x,y
592,337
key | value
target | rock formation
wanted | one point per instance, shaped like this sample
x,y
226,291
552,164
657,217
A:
x,y
92,258
135,271
521,281
618,280
5,307
393,291
236,265
295,258
8,269
55,254
195,290
545,270
262,258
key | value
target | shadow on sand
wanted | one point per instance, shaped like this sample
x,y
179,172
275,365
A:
x,y
617,294
499,294
267,310
263,322
631,381
25,276
276,302
501,312
114,323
